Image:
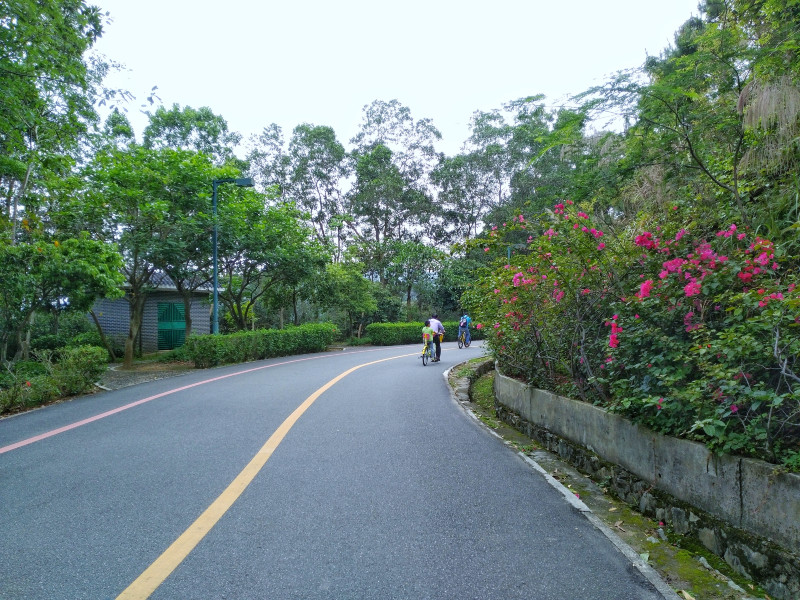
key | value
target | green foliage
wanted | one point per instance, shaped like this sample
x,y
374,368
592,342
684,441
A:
x,y
391,334
78,368
67,372
38,276
212,350
693,337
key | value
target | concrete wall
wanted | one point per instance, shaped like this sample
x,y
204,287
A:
x,y
718,490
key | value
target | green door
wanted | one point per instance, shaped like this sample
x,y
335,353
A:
x,y
171,325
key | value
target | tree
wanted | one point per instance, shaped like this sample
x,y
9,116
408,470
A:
x,y
191,129
51,275
390,124
384,208
259,247
47,89
342,287
411,264
318,167
464,194
128,192
270,165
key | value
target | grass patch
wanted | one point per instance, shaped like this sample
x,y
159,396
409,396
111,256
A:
x,y
482,395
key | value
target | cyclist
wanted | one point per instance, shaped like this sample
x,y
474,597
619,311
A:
x,y
427,333
463,327
438,334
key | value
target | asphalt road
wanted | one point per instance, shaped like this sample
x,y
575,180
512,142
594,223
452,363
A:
x,y
250,482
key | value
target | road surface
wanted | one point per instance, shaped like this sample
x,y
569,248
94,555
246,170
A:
x,y
350,474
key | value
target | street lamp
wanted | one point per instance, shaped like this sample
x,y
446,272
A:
x,y
241,182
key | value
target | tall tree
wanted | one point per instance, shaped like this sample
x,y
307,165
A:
x,y
319,166
412,142
191,129
384,208
269,161
128,190
260,247
47,89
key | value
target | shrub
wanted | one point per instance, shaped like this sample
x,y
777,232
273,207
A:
x,y
78,368
391,334
693,336
30,383
211,350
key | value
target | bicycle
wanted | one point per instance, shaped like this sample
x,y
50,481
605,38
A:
x,y
427,353
463,342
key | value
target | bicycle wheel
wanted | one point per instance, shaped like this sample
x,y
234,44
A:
x,y
426,352
467,343
461,341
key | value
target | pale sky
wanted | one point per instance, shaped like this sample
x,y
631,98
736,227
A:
x,y
321,61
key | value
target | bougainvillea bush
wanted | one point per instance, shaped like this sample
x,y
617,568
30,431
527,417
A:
x,y
693,335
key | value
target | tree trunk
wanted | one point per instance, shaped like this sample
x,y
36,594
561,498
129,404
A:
x,y
137,309
103,337
187,313
24,338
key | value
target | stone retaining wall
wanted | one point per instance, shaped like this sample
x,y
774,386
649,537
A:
x,y
742,510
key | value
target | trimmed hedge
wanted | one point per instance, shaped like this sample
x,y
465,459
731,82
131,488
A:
x,y
212,350
391,334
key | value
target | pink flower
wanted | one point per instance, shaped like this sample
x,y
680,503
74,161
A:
x,y
646,240
485,249
601,245
644,289
479,326
613,340
734,409
692,289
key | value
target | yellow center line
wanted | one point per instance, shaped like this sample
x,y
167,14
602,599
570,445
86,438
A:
x,y
156,573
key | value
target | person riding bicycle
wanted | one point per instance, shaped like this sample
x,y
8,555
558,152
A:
x,y
463,327
427,333
438,334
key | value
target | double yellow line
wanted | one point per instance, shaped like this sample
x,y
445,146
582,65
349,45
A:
x,y
156,573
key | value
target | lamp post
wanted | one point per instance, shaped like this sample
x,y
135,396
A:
x,y
241,182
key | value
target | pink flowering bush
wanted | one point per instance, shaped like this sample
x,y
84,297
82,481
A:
x,y
710,351
546,305
696,337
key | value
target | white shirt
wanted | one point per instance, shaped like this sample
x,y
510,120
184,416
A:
x,y
436,325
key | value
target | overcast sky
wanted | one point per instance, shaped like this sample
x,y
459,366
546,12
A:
x,y
321,61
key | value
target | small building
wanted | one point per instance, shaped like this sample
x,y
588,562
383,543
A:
x,y
163,320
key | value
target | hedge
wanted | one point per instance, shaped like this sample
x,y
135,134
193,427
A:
x,y
390,334
212,350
